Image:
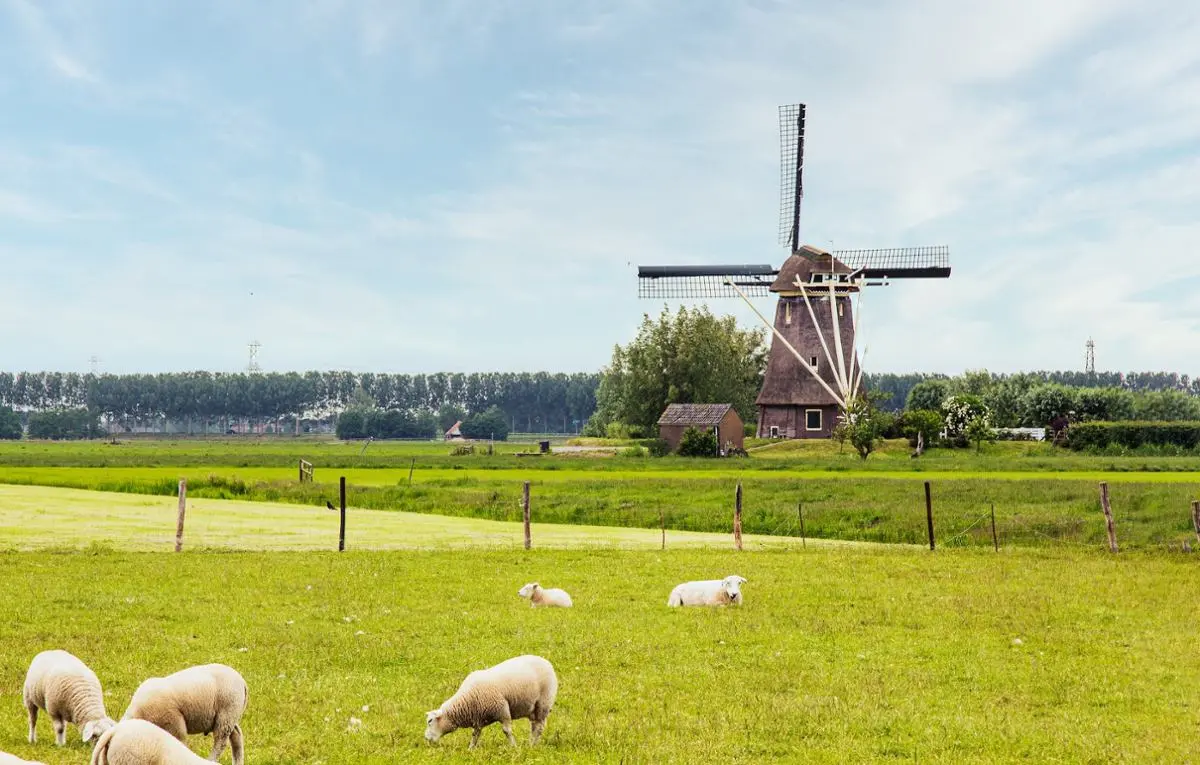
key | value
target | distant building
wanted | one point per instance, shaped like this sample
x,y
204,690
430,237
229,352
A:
x,y
455,432
719,418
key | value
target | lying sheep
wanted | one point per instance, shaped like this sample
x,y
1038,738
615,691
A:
x,y
12,759
524,686
137,742
711,592
69,691
207,699
540,596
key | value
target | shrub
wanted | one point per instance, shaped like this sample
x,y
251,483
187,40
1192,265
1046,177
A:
x,y
10,424
923,422
1105,436
751,430
487,424
698,443
959,411
658,447
632,451
351,424
64,424
1043,404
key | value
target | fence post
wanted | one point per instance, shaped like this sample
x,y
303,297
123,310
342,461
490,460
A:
x,y
800,512
995,539
1108,517
662,523
411,465
737,517
929,513
179,520
301,466
1196,518
342,525
525,513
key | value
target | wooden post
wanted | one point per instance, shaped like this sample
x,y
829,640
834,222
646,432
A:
x,y
662,523
301,466
1108,517
800,512
525,513
1196,518
412,465
179,520
737,517
342,525
995,539
929,513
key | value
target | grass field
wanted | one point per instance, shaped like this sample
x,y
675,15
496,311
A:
x,y
839,654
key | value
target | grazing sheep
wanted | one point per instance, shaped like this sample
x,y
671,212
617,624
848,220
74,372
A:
x,y
12,759
712,592
69,691
524,686
207,699
540,596
137,742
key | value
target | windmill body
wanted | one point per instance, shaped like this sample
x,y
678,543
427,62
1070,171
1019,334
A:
x,y
815,367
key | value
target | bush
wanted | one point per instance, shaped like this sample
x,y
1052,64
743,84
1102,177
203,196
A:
x,y
632,451
489,424
1105,436
64,424
351,424
10,424
921,422
959,411
698,443
657,447
751,430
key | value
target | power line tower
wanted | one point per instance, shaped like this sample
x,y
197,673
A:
x,y
1089,364
94,360
253,366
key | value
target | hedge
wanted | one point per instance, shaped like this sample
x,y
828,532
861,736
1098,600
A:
x,y
1098,435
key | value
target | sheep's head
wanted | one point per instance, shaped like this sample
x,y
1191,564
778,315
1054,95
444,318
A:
x,y
437,725
733,587
96,728
528,590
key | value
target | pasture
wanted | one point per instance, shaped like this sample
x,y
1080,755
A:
x,y
840,653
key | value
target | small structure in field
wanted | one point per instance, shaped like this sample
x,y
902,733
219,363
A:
x,y
720,419
454,433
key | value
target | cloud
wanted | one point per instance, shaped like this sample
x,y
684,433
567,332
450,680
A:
x,y
47,42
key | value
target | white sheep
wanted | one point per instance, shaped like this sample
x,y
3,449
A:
x,y
521,687
12,759
210,698
711,592
138,742
69,691
540,596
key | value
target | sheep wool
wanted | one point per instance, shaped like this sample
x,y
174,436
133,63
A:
x,y
12,759
521,687
210,698
137,742
711,592
540,596
69,691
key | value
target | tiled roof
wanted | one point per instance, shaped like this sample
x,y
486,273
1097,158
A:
x,y
700,415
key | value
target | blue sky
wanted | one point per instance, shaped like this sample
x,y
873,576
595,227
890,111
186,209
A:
x,y
452,185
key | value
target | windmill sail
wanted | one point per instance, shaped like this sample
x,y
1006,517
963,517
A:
x,y
791,172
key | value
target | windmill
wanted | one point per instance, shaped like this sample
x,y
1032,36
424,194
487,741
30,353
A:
x,y
814,370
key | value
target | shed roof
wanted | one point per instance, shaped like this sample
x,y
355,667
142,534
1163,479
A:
x,y
700,415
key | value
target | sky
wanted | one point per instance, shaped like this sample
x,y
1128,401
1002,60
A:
x,y
403,186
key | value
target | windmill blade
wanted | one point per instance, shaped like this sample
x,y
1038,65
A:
x,y
682,282
791,171
898,262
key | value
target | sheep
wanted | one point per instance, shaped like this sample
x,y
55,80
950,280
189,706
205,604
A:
x,y
12,759
69,691
524,686
712,592
138,742
540,596
210,698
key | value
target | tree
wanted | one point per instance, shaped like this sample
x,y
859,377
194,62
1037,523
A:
x,y
352,424
980,429
689,357
698,443
1047,402
489,424
959,411
924,423
448,414
928,395
10,424
863,425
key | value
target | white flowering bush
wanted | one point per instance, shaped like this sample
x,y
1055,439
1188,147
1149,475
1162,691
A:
x,y
959,411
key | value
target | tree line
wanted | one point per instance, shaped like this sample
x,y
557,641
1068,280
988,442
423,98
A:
x,y
532,402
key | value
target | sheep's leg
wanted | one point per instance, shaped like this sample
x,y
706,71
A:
x,y
220,739
33,712
235,740
60,731
475,737
506,726
535,731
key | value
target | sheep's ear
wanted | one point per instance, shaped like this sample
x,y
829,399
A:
x,y
433,715
89,730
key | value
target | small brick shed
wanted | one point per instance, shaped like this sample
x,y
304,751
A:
x,y
719,417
